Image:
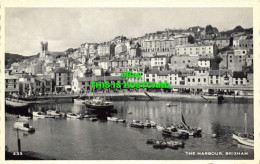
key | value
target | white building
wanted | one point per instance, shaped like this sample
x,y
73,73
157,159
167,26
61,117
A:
x,y
159,61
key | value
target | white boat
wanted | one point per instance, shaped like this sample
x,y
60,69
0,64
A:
x,y
159,127
23,126
73,115
122,120
244,138
112,119
93,118
39,114
53,113
16,103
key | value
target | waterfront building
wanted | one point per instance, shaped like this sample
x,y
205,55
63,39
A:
x,y
239,78
43,85
146,61
82,84
202,50
63,78
11,84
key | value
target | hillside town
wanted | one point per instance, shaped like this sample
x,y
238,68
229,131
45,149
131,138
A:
x,y
196,60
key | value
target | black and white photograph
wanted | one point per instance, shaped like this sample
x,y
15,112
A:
x,y
129,83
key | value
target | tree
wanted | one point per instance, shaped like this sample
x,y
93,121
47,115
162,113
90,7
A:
x,y
209,30
191,39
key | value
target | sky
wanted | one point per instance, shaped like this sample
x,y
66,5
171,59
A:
x,y
65,28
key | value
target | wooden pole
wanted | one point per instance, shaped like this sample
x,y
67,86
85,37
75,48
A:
x,y
18,141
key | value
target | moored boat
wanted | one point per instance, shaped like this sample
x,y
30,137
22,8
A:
x,y
194,131
244,138
137,124
25,117
73,115
39,114
93,118
99,106
160,144
23,126
53,113
16,103
112,119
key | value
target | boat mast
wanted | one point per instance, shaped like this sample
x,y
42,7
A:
x,y
245,123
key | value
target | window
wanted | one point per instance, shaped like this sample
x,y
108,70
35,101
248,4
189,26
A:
x,y
59,74
241,82
198,79
216,81
188,61
183,61
188,79
83,83
204,79
14,86
230,61
193,80
59,83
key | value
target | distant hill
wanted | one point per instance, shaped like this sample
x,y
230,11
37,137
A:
x,y
238,29
14,58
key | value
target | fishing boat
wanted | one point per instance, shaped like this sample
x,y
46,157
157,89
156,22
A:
x,y
244,138
99,105
23,126
137,124
160,144
172,132
39,114
73,115
192,131
16,103
54,113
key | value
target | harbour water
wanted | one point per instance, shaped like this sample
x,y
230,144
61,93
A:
x,y
65,138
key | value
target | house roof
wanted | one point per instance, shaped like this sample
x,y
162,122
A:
x,y
153,71
204,59
237,74
164,73
62,70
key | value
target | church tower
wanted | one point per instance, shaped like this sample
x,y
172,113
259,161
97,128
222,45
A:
x,y
44,46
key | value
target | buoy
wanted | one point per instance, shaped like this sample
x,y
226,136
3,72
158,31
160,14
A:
x,y
213,136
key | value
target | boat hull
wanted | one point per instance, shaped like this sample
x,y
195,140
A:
x,y
17,104
99,109
244,141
